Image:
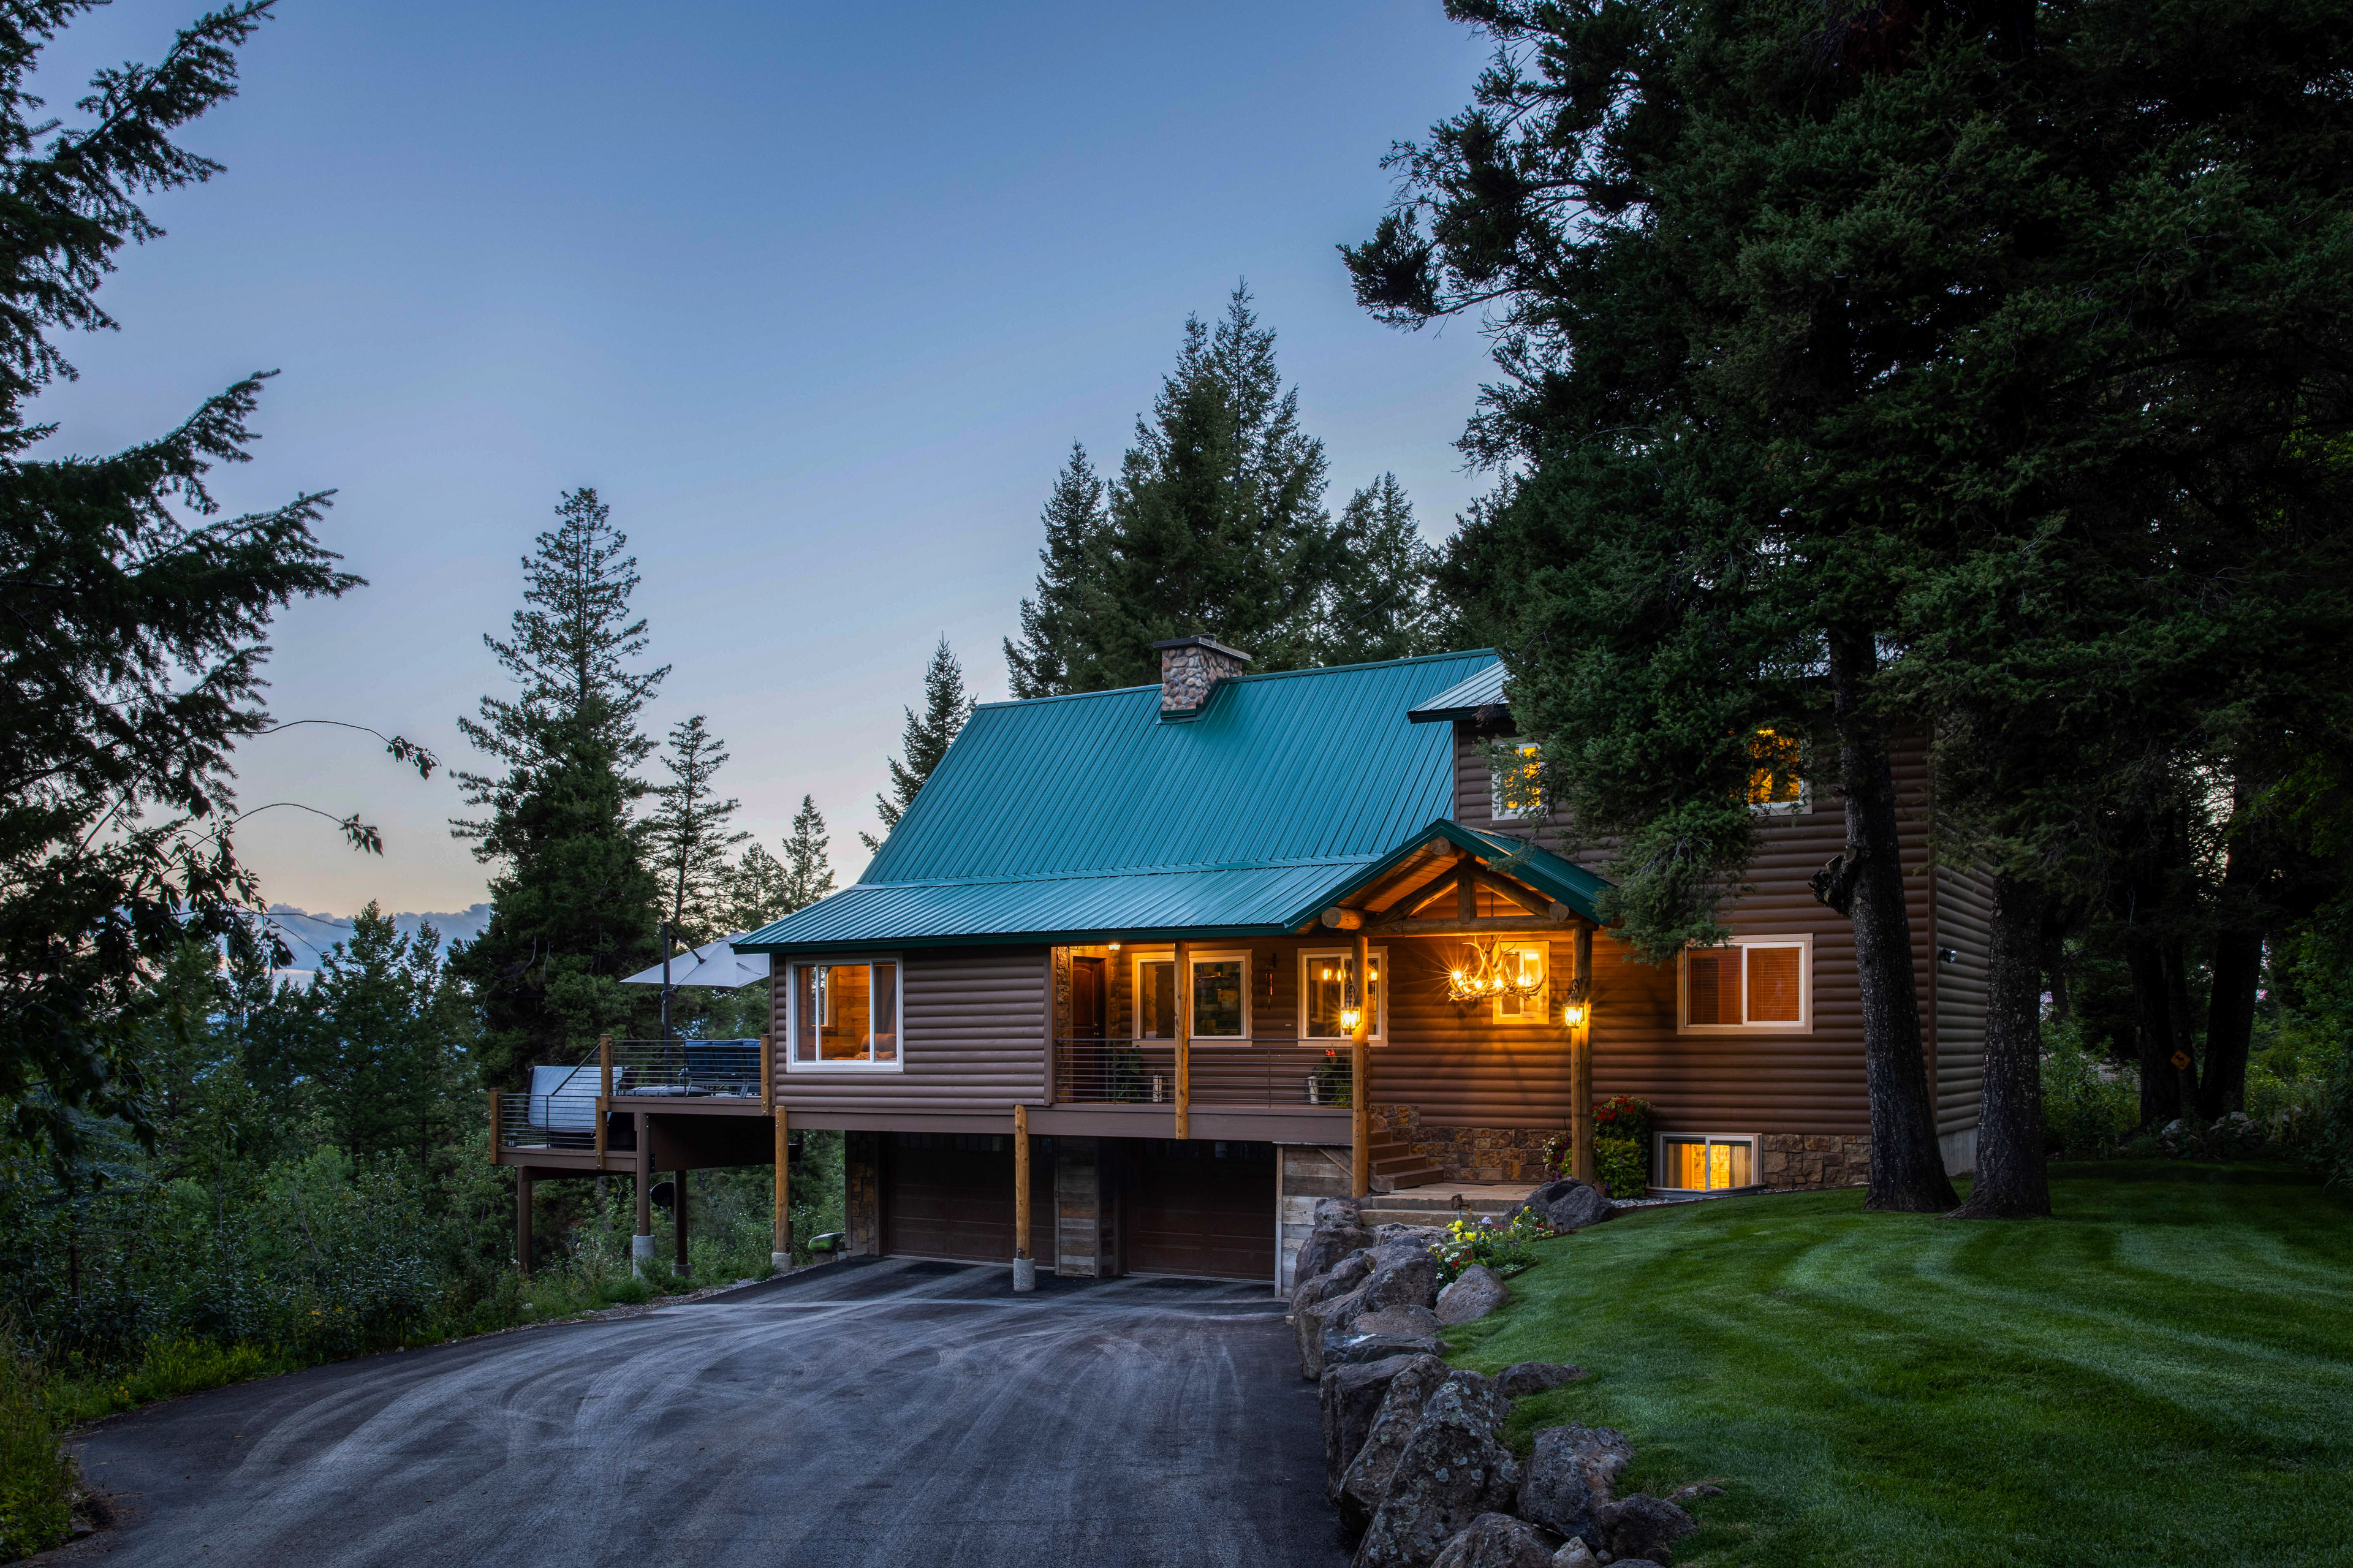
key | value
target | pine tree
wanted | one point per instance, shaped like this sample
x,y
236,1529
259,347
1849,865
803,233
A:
x,y
689,833
926,738
1379,604
387,1031
574,907
1065,618
762,888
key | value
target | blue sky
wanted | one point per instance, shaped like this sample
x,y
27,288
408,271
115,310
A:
x,y
816,298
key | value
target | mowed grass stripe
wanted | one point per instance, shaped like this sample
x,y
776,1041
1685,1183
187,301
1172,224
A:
x,y
2163,1372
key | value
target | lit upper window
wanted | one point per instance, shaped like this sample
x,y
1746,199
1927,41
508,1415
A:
x,y
1515,791
1774,782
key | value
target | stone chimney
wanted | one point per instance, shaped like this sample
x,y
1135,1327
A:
x,y
1190,668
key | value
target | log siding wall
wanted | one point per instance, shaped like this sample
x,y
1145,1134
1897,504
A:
x,y
972,1037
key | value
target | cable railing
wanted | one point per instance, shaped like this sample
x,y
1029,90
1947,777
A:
x,y
559,1109
1276,1072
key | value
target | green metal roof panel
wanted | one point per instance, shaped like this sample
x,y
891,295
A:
x,y
1484,690
1041,810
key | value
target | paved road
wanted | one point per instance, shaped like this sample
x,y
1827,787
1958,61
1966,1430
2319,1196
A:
x,y
893,1412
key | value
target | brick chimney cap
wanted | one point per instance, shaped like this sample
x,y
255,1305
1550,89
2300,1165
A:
x,y
1210,643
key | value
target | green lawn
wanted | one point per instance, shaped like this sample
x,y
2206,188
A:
x,y
2163,1374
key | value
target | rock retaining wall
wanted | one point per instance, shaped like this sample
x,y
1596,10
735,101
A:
x,y
1517,1153
1813,1159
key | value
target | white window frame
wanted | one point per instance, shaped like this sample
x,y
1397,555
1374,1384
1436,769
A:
x,y
1755,1157
792,968
1804,1025
1198,956
1800,806
1308,955
1543,999
1496,810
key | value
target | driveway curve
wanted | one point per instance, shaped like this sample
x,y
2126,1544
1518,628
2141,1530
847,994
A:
x,y
891,1413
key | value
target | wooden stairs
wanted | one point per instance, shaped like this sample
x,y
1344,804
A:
x,y
1395,1167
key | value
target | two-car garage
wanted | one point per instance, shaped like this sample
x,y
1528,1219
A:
x,y
1202,1207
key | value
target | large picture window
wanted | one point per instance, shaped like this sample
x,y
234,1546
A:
x,y
844,1015
1220,996
1757,983
1323,993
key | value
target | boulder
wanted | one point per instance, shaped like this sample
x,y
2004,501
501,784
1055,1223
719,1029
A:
x,y
1399,1412
1476,1291
1642,1526
1568,1204
1575,1555
1523,1378
1326,1244
1323,1323
1351,1397
1402,1277
1570,1474
1352,1351
1450,1471
1338,1281
1423,1235
1498,1540
1335,1211
1416,1322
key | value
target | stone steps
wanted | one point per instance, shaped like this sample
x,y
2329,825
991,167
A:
x,y
1436,1205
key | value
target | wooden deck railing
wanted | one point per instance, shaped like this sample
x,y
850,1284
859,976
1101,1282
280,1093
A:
x,y
1281,1072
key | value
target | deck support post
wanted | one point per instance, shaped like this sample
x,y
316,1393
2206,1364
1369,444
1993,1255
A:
x,y
678,1220
523,1220
1581,1064
603,1096
494,1126
1360,1076
780,1257
1184,994
1025,1268
641,1245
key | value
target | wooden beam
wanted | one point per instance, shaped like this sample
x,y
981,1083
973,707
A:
x,y
1339,918
1504,888
780,1239
1020,1182
767,1073
523,1220
1466,887
1403,908
1184,995
644,1176
1581,1064
1515,925
1360,1074
494,1127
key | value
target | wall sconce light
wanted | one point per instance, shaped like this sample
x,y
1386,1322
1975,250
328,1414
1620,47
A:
x,y
1349,1016
1114,947
1574,1013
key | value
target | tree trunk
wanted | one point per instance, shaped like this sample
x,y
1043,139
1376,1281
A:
x,y
1907,1172
2238,970
2184,1031
2054,971
2160,1084
2013,1180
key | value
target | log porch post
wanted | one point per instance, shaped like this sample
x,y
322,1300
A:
x,y
1025,1270
523,1220
780,1241
1360,1076
641,1243
1580,1063
1183,989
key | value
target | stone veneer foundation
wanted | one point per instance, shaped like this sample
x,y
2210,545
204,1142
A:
x,y
1517,1153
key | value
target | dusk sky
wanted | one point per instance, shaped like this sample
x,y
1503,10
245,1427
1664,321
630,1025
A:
x,y
816,298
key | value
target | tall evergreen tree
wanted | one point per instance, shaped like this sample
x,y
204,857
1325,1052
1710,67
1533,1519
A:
x,y
1850,388
131,660
1381,603
1067,616
926,738
574,906
763,889
689,833
388,1031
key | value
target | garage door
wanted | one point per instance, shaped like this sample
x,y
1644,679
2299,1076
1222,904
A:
x,y
950,1195
1202,1207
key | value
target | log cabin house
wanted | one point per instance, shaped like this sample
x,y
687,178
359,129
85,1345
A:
x,y
1144,973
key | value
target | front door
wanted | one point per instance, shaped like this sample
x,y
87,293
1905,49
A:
x,y
1090,1023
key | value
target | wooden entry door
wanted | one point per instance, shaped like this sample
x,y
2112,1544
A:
x,y
1090,1023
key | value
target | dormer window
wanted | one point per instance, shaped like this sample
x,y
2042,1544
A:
x,y
1775,785
1515,782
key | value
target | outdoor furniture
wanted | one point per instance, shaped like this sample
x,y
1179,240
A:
x,y
723,1066
562,1103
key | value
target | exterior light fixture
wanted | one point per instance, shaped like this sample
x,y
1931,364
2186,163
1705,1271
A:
x,y
1486,972
1349,1016
1574,1013
1114,947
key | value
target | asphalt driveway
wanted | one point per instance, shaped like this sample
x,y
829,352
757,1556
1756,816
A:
x,y
889,1413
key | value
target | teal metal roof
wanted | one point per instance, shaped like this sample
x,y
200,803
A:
x,y
1484,690
1088,815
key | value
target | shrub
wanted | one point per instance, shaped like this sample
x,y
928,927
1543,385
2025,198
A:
x,y
1496,1244
35,1476
2084,1112
1623,1165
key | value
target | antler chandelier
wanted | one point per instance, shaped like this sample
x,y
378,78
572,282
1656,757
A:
x,y
1483,970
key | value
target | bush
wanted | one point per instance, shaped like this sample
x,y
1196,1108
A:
x,y
1491,1243
2086,1112
37,1479
1623,1165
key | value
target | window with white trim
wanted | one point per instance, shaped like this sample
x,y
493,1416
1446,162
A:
x,y
1753,985
1705,1161
1221,996
1515,792
1324,992
843,1015
1776,786
1522,964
